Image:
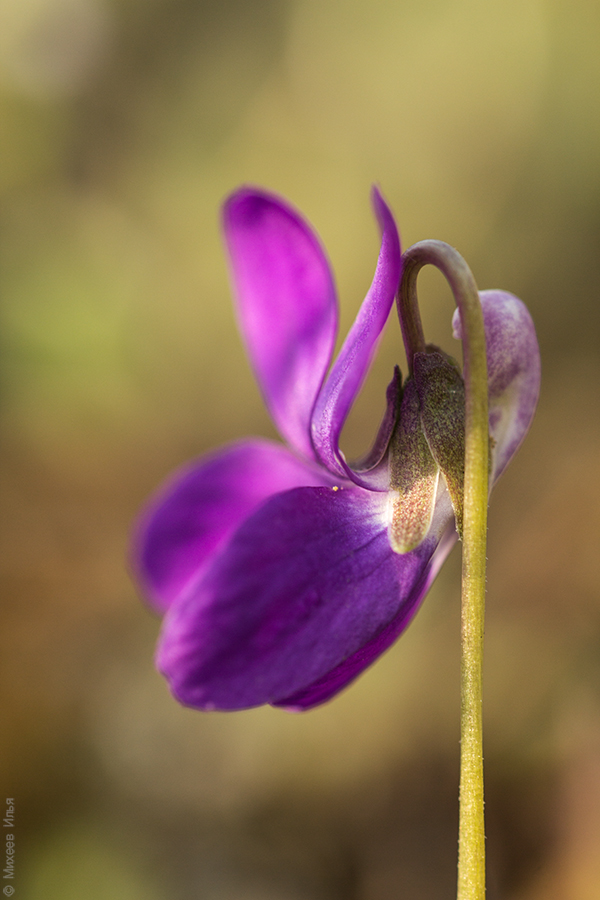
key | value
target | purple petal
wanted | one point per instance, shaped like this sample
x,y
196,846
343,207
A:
x,y
302,586
350,368
286,303
198,511
514,372
334,681
375,455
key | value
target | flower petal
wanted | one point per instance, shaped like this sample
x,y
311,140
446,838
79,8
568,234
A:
x,y
514,372
195,514
337,679
351,366
302,586
286,303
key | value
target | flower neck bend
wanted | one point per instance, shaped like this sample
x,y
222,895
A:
x,y
429,439
423,366
471,863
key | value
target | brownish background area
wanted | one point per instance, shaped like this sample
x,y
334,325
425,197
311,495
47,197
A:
x,y
124,123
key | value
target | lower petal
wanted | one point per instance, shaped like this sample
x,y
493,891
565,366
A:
x,y
306,583
344,674
192,518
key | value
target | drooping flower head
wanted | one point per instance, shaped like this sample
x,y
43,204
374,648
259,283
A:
x,y
283,572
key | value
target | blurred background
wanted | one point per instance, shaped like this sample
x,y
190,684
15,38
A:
x,y
124,124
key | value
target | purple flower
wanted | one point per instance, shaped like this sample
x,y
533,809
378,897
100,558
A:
x,y
283,573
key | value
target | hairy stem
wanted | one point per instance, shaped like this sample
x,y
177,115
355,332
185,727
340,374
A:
x,y
471,856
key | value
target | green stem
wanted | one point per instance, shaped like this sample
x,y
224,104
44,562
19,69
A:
x,y
471,855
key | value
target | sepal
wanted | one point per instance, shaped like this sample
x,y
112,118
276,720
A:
x,y
414,477
441,391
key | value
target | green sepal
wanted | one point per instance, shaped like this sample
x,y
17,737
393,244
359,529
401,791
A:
x,y
414,477
441,390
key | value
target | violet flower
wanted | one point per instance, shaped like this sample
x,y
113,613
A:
x,y
283,573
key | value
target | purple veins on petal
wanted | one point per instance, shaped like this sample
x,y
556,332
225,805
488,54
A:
x,y
341,676
287,306
305,583
283,577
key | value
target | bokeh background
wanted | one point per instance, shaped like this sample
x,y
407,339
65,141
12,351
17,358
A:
x,y
124,124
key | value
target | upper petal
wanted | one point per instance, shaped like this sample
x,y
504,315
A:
x,y
195,514
287,305
351,366
514,372
305,584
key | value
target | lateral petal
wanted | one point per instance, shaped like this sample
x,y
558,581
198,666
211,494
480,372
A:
x,y
191,519
514,372
286,304
350,368
304,584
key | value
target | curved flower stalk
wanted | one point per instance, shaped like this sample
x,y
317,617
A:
x,y
283,572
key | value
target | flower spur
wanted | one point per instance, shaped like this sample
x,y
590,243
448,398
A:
x,y
284,573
